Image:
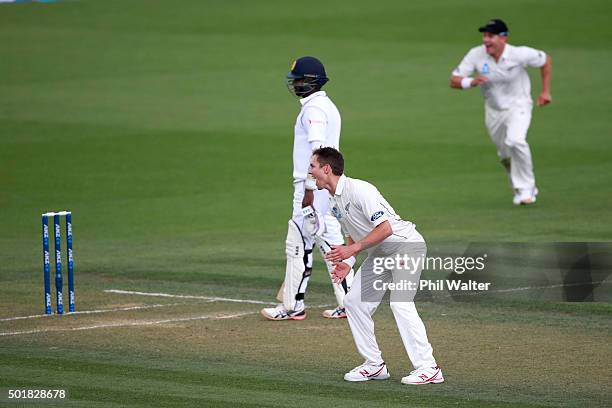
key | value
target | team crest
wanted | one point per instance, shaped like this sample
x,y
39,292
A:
x,y
485,69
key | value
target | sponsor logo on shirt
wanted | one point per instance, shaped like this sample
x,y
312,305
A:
x,y
336,212
485,69
376,215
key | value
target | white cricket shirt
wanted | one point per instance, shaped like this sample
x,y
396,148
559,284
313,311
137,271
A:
x,y
359,207
508,85
317,125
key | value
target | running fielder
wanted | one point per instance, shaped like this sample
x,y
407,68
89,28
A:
x,y
500,72
373,226
318,124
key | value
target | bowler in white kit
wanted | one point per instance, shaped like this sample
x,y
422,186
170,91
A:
x,y
318,124
371,225
500,72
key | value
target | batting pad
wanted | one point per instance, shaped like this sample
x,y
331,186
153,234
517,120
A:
x,y
294,272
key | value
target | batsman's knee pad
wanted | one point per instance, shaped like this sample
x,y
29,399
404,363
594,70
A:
x,y
297,271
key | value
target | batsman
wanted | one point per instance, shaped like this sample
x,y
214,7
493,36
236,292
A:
x,y
317,125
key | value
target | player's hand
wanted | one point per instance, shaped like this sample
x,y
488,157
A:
x,y
544,99
340,271
480,79
340,252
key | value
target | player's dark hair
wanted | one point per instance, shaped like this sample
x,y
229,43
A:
x,y
331,156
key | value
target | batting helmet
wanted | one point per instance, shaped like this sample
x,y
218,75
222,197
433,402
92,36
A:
x,y
307,76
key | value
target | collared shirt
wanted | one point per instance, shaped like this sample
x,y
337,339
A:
x,y
359,207
317,125
508,85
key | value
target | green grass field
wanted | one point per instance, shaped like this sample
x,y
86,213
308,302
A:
x,y
167,129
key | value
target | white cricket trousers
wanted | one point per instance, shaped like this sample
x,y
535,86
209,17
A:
x,y
508,130
411,327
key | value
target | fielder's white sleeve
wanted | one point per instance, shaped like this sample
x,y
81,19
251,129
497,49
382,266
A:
x,y
467,65
531,57
371,202
314,120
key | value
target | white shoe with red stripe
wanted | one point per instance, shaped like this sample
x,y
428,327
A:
x,y
366,372
426,375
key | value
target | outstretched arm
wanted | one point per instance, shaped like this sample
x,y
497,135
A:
x,y
546,73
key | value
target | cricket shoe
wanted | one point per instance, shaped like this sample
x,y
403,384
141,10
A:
x,y
337,313
525,196
426,375
366,372
280,313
